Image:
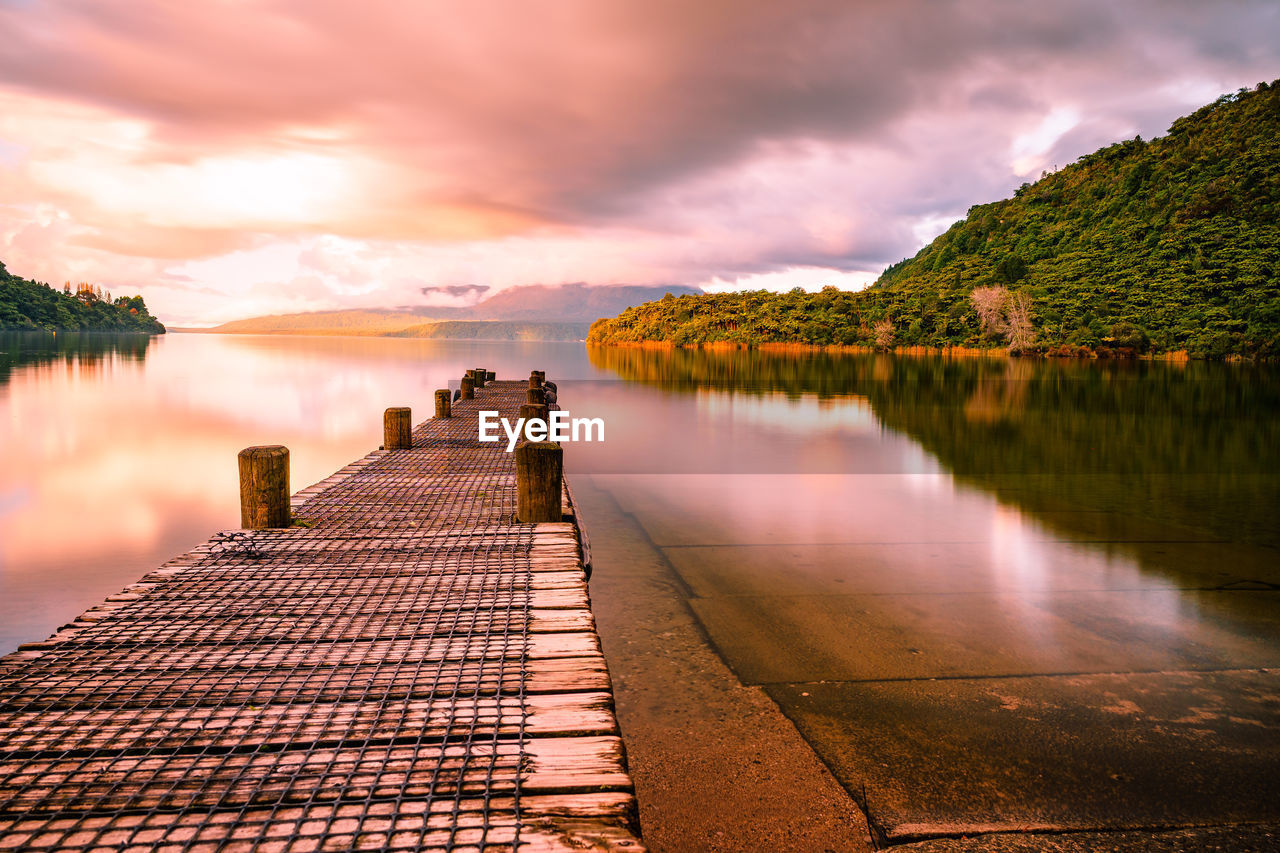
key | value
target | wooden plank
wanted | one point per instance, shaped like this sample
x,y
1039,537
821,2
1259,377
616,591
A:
x,y
237,726
88,686
478,597
571,764
232,780
337,624
546,824
300,540
295,655
266,588
577,822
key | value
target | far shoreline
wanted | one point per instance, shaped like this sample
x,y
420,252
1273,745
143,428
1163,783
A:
x,y
1059,353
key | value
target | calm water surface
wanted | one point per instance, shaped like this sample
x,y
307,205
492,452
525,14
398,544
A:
x,y
898,518
781,487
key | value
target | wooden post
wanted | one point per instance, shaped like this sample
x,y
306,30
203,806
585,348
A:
x,y
490,376
480,374
536,395
444,403
468,388
264,487
397,428
529,411
539,471
535,381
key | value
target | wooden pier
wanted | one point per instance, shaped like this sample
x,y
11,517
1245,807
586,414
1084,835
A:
x,y
409,668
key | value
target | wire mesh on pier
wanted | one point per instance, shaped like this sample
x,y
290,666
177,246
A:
x,y
413,671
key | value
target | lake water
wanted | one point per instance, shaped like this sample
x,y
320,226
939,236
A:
x,y
118,453
842,523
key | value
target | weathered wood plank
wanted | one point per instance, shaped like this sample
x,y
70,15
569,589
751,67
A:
x,y
557,822
480,646
546,824
475,597
565,765
337,624
237,726
87,686
168,781
269,587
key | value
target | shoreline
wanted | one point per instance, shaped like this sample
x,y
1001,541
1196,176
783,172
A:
x,y
1055,354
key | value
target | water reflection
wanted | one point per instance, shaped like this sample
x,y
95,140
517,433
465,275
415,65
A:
x,y
1081,445
86,352
976,517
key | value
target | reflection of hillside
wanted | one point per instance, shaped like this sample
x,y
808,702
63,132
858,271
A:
x,y
1195,445
743,370
88,349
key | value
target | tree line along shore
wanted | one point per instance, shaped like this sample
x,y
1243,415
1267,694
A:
x,y
34,306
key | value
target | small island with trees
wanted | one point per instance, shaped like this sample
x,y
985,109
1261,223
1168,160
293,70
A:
x,y
33,306
1163,246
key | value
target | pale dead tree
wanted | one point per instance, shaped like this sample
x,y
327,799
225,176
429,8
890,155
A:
x,y
1019,331
989,302
884,333
1003,313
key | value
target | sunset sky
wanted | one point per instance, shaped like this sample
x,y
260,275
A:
x,y
232,158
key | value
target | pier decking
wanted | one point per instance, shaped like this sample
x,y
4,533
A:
x,y
413,670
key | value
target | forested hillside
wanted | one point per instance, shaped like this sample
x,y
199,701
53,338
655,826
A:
x,y
1172,244
31,305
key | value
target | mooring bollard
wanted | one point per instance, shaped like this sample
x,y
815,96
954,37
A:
x,y
539,471
480,374
264,487
536,395
397,428
530,411
468,387
444,404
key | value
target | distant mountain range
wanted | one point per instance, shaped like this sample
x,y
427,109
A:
x,y
496,330
531,312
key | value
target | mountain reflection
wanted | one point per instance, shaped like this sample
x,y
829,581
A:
x,y
89,352
1086,447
